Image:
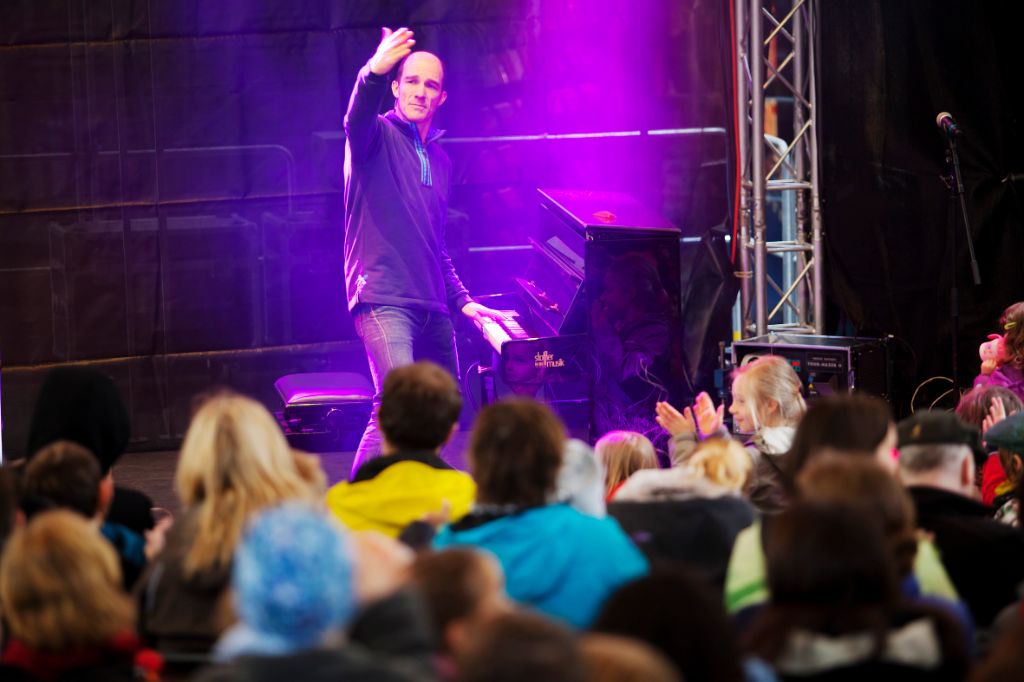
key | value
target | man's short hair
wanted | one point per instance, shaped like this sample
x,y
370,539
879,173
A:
x,y
420,404
916,459
66,475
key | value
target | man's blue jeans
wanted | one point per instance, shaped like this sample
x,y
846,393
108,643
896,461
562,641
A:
x,y
394,336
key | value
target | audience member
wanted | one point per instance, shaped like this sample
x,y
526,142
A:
x,y
1009,374
82,405
419,412
462,589
855,425
1008,437
580,482
870,487
68,619
723,461
295,587
673,610
66,475
555,558
678,515
843,423
984,558
767,404
234,462
519,646
835,611
982,407
618,659
623,453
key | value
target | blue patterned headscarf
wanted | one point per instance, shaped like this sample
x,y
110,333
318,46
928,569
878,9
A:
x,y
293,583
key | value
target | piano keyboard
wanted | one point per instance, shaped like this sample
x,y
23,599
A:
x,y
498,332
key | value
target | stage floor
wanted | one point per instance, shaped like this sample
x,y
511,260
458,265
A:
x,y
153,472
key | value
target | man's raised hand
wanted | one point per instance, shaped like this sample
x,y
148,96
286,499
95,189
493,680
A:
x,y
394,47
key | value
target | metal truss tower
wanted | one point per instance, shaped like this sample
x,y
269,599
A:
x,y
776,49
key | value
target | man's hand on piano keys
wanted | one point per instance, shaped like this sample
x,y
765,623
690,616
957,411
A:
x,y
475,311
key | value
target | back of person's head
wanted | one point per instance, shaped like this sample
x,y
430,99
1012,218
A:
x,y
864,484
916,459
723,461
619,659
826,567
419,406
772,387
462,587
828,571
81,404
518,646
826,553
938,443
975,404
60,584
234,461
293,582
678,613
623,453
855,424
66,475
829,575
1012,321
515,452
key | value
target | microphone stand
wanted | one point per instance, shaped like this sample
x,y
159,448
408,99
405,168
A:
x,y
957,187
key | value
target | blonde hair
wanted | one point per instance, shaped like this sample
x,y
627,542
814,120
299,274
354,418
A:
x,y
623,453
723,461
771,378
60,583
235,461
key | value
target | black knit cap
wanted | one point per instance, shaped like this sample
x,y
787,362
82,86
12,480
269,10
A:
x,y
935,427
81,404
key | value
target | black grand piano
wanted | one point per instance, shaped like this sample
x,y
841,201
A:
x,y
594,326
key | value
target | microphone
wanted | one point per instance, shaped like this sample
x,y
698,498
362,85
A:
x,y
948,125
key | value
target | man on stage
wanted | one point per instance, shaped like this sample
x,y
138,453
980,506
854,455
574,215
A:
x,y
400,281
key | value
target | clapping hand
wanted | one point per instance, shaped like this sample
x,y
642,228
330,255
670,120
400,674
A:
x,y
394,47
703,418
674,421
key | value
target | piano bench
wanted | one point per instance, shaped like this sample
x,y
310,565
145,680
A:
x,y
324,409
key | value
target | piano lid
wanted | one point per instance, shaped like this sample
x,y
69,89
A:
x,y
602,212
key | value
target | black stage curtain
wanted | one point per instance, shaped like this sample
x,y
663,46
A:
x,y
887,67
